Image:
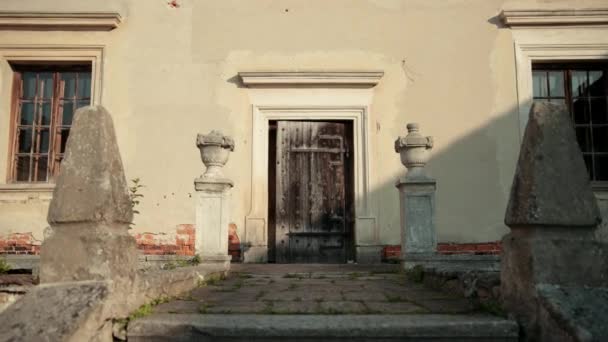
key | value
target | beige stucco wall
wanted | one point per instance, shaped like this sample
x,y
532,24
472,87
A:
x,y
170,73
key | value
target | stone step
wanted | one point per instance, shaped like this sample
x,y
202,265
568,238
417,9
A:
x,y
353,328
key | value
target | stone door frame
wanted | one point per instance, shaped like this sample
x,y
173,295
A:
x,y
310,95
256,222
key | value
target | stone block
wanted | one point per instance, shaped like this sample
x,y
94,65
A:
x,y
417,207
89,251
57,312
422,327
342,307
179,306
551,186
282,307
238,308
395,308
487,263
24,262
361,295
545,256
446,305
542,256
303,294
212,220
573,313
154,284
91,186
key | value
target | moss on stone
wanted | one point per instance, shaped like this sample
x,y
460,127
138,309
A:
x,y
4,266
147,308
415,274
492,307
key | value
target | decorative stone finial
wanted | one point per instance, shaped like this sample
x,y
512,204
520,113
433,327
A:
x,y
91,186
215,149
413,149
551,185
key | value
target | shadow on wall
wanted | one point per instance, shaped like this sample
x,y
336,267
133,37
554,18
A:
x,y
474,176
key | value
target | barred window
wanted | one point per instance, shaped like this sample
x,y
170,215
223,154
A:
x,y
45,98
584,89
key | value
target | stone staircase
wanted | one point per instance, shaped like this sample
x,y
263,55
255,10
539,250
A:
x,y
318,303
252,327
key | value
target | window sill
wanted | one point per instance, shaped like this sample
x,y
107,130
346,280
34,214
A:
x,y
600,189
27,187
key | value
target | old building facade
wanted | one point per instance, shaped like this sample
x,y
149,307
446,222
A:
x,y
314,94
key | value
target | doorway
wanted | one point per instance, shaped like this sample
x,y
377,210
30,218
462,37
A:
x,y
310,191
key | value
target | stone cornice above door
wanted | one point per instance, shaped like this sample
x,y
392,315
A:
x,y
311,78
59,21
554,17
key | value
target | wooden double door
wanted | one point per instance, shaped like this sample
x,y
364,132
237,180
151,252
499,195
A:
x,y
313,192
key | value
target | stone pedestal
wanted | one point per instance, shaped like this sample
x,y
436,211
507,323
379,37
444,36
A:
x,y
212,219
213,198
416,198
417,208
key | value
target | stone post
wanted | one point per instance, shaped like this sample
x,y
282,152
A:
x,y
213,198
416,197
552,214
90,212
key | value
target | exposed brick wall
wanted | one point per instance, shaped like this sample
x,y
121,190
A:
x,y
489,248
19,243
391,252
470,248
179,242
182,242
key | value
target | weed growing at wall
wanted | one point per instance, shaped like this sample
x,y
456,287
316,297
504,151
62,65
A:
x,y
135,194
4,266
195,260
120,324
492,307
416,274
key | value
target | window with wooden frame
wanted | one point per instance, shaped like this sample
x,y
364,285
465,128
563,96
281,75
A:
x,y
45,98
583,87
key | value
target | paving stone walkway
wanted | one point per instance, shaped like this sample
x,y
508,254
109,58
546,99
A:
x,y
315,289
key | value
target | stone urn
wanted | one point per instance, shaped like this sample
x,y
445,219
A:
x,y
215,149
414,150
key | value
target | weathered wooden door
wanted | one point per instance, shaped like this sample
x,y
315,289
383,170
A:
x,y
313,208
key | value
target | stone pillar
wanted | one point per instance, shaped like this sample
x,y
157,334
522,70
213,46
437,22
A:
x,y
213,198
90,212
416,197
552,214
